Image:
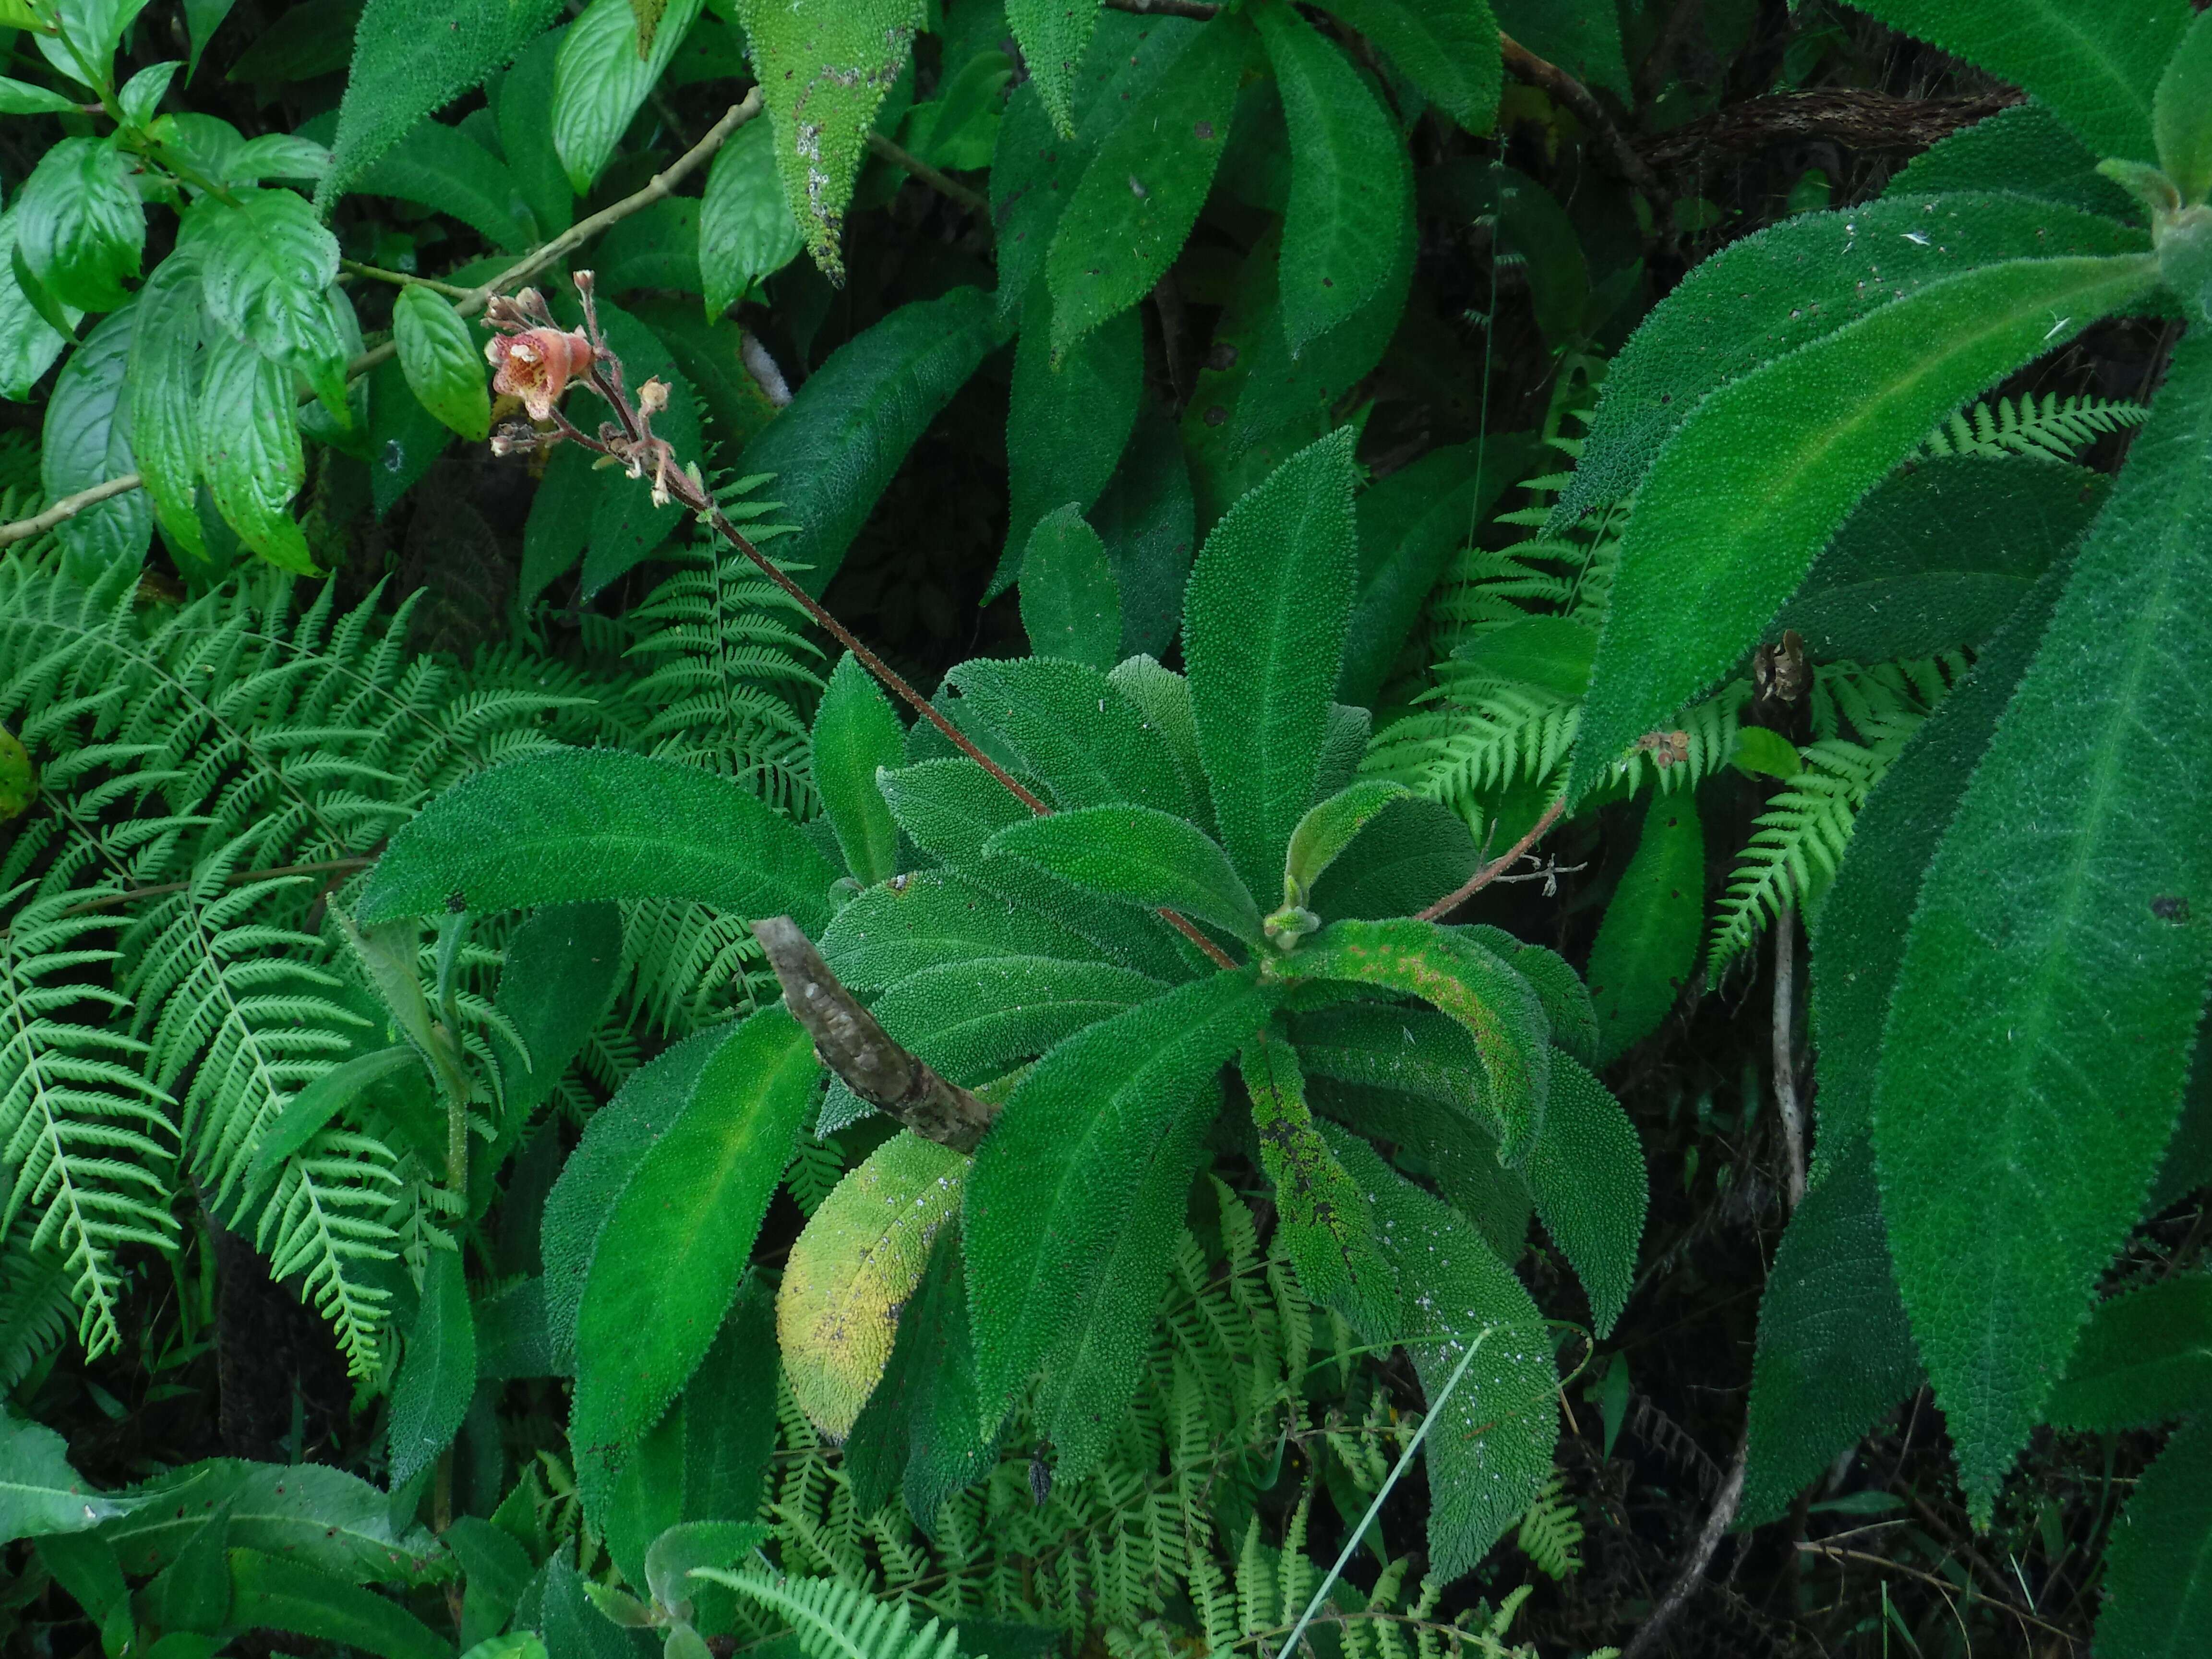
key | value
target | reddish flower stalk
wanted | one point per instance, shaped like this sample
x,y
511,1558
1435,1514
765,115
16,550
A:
x,y
526,325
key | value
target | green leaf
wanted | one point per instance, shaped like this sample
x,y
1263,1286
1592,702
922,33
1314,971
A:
x,y
1068,418
949,807
591,824
1939,556
1263,636
1582,39
923,1427
1054,36
1162,696
1551,652
1058,1178
79,225
1800,281
1835,1353
1350,196
1327,829
855,1266
86,441
1491,1450
1859,936
824,66
445,169
1586,1171
2145,1356
618,1136
2039,1033
729,1413
495,1569
307,1111
1761,753
973,1020
40,1493
411,57
2158,1567
1073,731
1734,511
269,1593
438,1373
1414,853
322,1517
936,916
444,370
2025,150
264,267
1448,48
856,732
745,228
277,156
1498,1007
1137,855
697,1544
2181,113
1326,1227
561,968
657,248
668,1262
250,452
601,78
21,98
1141,194
29,342
1559,990
1647,945
2096,66
849,426
1144,516
164,385
1071,603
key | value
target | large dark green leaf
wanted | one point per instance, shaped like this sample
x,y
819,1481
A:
x,y
322,1517
1058,1179
1834,1352
1448,48
2144,1358
1074,731
2025,150
1586,1171
445,169
855,733
268,1592
1263,634
1054,36
1140,856
973,1020
250,450
164,388
1747,493
2158,1573
745,228
593,823
438,1375
2039,1033
1071,602
602,78
2096,65
1647,945
848,428
266,267
667,1264
88,440
40,1493
79,225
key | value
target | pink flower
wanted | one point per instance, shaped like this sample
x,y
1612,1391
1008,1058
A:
x,y
535,366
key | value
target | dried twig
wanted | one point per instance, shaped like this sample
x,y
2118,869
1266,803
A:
x,y
657,188
1787,1097
1497,866
1524,65
939,180
1701,1555
852,1044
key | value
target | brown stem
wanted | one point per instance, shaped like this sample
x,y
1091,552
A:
x,y
851,1043
943,183
1787,1098
239,878
657,188
1701,1556
1524,65
1497,866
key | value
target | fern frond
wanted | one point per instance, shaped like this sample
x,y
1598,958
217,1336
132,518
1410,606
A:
x,y
837,1621
816,1167
1550,1531
2053,430
86,1146
37,1311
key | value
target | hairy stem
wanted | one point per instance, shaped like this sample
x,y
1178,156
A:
x,y
1497,866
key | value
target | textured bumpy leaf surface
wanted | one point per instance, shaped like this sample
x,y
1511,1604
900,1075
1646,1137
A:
x,y
86,440
1067,421
2052,988
1138,856
2024,149
40,1493
1498,1007
824,66
1802,280
1073,730
2096,65
1057,1179
1858,938
1448,48
1141,194
594,823
1586,1171
1410,855
1565,1001
949,808
1835,1353
438,1375
1054,36
1490,1449
852,1269
1349,194
1328,827
890,932
855,731
2158,1573
1647,945
413,57
324,1517
973,1020
1263,634
250,450
1323,1215
668,1262
2145,1356
1071,598
1744,496
836,447
2179,121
